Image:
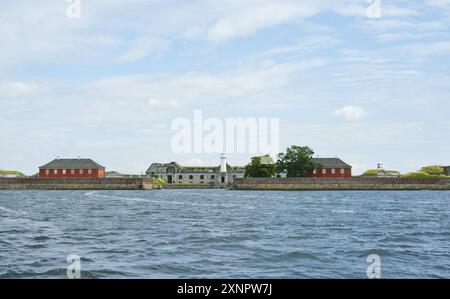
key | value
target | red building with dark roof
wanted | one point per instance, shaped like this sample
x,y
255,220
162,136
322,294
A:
x,y
331,168
72,168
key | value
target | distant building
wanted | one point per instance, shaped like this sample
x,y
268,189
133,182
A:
x,y
72,168
331,168
267,159
174,173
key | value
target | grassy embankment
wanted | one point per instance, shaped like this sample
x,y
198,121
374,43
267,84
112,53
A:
x,y
428,172
11,172
376,172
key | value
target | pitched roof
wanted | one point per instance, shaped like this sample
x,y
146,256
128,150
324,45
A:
x,y
197,169
266,160
72,164
332,163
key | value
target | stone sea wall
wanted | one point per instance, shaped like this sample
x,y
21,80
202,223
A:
x,y
76,184
190,186
356,183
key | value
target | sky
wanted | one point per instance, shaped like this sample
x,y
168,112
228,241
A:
x,y
365,87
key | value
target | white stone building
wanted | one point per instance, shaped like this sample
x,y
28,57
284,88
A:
x,y
174,173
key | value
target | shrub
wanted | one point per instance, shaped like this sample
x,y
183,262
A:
x,y
424,175
433,170
159,181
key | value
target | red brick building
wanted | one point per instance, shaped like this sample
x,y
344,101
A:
x,y
331,168
72,168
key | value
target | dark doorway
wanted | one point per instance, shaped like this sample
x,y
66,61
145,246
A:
x,y
169,179
223,180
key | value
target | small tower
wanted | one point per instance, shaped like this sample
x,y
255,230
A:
x,y
223,169
380,166
223,163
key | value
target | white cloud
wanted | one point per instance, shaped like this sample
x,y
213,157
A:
x,y
397,11
19,89
267,75
439,3
351,113
42,33
235,19
248,21
157,104
429,49
200,87
306,44
143,47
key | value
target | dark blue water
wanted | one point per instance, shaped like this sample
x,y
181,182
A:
x,y
224,234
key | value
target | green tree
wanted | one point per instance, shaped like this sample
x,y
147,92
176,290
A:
x,y
297,161
256,169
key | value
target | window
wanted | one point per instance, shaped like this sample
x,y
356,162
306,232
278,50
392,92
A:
x,y
315,171
89,171
81,171
213,177
55,171
72,171
47,172
202,177
64,171
324,171
180,177
342,171
333,171
191,177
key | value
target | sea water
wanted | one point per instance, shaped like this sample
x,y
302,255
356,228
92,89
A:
x,y
224,234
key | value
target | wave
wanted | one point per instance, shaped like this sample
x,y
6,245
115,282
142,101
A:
x,y
60,273
35,246
293,255
343,211
41,238
163,202
12,211
53,273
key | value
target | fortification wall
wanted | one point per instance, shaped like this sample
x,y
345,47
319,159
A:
x,y
357,183
189,186
76,184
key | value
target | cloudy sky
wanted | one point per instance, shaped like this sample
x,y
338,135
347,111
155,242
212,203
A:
x,y
109,84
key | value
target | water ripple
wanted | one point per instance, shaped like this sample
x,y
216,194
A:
x,y
221,233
